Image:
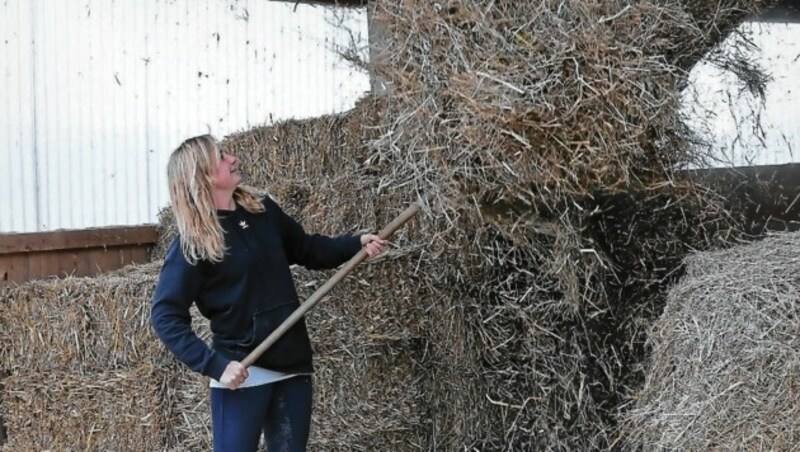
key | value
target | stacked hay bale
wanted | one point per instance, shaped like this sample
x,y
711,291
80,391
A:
x,y
371,337
414,302
81,367
725,367
545,137
83,370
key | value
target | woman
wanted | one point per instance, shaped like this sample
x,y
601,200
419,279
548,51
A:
x,y
231,258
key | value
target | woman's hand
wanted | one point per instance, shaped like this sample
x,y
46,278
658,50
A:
x,y
373,244
235,374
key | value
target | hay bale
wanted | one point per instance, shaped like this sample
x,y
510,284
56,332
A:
x,y
79,323
516,357
117,409
545,138
84,346
366,395
81,366
530,102
725,366
366,398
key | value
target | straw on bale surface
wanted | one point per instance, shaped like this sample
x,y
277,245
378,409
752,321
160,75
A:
x,y
90,410
725,367
78,323
81,369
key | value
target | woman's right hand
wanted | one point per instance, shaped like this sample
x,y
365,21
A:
x,y
235,374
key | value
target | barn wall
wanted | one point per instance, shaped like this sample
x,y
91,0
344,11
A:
x,y
96,94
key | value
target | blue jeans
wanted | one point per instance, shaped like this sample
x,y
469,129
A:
x,y
282,410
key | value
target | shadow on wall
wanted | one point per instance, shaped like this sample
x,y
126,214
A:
x,y
767,197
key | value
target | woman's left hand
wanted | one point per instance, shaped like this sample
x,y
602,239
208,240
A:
x,y
373,244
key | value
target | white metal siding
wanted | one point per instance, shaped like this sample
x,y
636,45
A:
x,y
734,115
18,164
96,94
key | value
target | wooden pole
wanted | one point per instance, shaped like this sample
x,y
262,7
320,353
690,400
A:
x,y
315,298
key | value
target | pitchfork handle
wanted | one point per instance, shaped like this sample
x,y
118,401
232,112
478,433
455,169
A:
x,y
385,233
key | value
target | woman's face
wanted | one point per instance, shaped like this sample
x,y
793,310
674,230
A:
x,y
226,175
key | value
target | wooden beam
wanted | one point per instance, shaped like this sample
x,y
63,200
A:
x,y
77,239
785,11
342,3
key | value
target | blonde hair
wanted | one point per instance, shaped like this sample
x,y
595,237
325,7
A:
x,y
189,174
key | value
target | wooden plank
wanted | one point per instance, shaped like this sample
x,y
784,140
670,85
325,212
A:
x,y
86,252
77,239
35,268
785,11
104,260
79,263
42,265
139,255
14,268
21,267
124,256
767,196
135,255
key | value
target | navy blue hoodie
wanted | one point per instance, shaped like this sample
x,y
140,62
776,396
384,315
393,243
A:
x,y
247,295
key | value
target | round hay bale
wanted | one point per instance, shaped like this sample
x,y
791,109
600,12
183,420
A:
x,y
725,362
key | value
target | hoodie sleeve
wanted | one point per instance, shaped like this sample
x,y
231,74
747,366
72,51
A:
x,y
177,288
313,251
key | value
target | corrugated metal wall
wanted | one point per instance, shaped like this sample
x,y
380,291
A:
x,y
94,95
742,129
